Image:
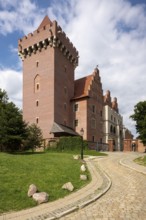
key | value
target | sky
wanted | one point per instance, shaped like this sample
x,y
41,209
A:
x,y
110,34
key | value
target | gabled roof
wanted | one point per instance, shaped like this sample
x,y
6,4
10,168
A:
x,y
44,22
58,128
82,87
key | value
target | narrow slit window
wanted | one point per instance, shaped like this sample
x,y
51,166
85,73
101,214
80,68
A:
x,y
37,103
93,108
37,120
37,63
37,83
37,86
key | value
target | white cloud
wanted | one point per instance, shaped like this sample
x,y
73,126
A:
x,y
17,15
11,82
111,34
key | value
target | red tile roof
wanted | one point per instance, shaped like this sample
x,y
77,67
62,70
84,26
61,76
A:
x,y
82,87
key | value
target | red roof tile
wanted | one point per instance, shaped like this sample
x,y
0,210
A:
x,y
82,87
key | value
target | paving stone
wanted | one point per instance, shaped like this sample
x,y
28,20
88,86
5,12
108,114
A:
x,y
126,200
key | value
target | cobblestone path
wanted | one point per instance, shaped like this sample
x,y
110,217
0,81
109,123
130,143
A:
x,y
126,199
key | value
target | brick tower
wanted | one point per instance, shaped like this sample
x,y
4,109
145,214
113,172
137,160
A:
x,y
49,60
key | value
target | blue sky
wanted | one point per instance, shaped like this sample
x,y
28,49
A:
x,y
111,34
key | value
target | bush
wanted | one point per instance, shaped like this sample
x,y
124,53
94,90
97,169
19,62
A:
x,y
69,144
35,137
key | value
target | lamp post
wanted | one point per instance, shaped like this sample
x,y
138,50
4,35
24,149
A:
x,y
81,134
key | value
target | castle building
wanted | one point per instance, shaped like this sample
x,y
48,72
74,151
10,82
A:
x,y
88,105
49,60
112,122
54,100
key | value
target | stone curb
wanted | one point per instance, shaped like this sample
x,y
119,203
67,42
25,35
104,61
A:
x,y
88,201
130,167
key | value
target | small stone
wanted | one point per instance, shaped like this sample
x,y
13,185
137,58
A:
x,y
83,177
40,197
83,168
76,157
32,189
68,186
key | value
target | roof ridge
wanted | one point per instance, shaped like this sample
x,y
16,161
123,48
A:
x,y
84,77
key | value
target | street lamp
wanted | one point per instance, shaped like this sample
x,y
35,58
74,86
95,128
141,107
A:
x,y
81,134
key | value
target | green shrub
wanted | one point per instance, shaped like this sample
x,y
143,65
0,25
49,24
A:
x,y
67,144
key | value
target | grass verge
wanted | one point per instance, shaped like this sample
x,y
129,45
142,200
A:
x,y
141,161
48,171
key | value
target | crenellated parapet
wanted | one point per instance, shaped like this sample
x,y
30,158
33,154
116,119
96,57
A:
x,y
107,98
107,101
115,104
47,36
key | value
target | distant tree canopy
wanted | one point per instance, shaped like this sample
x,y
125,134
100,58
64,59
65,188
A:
x,y
14,132
139,117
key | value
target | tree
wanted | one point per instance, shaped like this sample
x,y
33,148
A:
x,y
139,117
35,137
3,97
13,130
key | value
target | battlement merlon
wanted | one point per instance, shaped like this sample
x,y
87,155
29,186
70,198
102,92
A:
x,y
48,35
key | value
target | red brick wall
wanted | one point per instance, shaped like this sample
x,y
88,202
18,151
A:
x,y
64,89
128,134
81,116
55,68
140,146
85,114
96,99
111,144
127,145
45,95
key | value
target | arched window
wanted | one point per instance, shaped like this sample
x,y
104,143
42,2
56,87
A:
x,y
111,128
114,130
37,83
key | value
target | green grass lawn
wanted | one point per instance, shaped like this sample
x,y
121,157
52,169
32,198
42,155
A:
x,y
141,160
48,171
